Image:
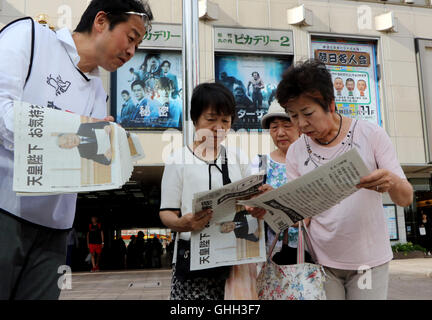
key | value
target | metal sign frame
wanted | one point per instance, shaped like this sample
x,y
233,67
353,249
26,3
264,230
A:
x,y
381,111
266,52
396,220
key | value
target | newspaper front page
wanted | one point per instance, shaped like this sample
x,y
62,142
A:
x,y
61,152
313,193
232,236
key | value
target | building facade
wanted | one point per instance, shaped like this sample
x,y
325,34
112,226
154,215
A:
x,y
398,34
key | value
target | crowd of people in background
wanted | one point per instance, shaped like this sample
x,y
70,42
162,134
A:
x,y
144,253
138,252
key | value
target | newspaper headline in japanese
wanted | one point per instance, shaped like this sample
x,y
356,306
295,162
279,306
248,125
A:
x,y
232,236
61,152
313,193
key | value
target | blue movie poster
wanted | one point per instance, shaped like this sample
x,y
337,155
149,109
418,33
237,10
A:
x,y
149,92
253,81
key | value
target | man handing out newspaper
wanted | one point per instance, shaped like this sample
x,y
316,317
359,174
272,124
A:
x,y
58,70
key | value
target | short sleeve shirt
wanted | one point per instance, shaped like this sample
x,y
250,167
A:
x,y
185,174
353,233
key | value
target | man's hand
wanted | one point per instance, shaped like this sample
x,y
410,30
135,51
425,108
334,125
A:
x,y
106,119
197,221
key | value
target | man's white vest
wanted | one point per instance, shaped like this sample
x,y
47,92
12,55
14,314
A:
x,y
54,81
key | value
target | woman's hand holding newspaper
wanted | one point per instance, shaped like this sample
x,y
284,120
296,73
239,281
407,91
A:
x,y
256,212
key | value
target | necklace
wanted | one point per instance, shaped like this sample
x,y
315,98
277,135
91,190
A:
x,y
345,145
337,135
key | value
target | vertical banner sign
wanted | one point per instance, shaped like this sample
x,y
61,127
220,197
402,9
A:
x,y
353,67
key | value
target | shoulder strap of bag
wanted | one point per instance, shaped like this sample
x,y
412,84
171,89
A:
x,y
300,245
225,174
307,242
276,239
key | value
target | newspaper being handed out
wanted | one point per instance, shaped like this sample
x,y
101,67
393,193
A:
x,y
313,193
61,152
232,236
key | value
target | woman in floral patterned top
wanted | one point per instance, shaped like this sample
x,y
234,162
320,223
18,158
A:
x,y
283,133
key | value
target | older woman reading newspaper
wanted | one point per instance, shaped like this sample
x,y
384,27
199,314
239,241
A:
x,y
196,168
351,238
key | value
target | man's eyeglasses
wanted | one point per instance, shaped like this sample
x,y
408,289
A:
x,y
144,16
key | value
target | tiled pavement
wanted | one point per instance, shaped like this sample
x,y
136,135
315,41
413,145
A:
x,y
409,279
120,285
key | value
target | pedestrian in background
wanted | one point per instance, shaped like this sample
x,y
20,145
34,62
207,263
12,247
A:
x,y
72,243
426,233
95,242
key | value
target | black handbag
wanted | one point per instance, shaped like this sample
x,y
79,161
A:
x,y
182,266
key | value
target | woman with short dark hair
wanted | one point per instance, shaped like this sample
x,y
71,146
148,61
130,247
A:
x,y
352,236
202,166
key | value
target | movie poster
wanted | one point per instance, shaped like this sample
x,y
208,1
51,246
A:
x,y
253,81
148,92
353,68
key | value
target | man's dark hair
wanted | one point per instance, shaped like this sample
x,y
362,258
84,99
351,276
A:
x,y
166,61
349,79
131,69
215,96
256,73
310,78
136,83
125,92
116,10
